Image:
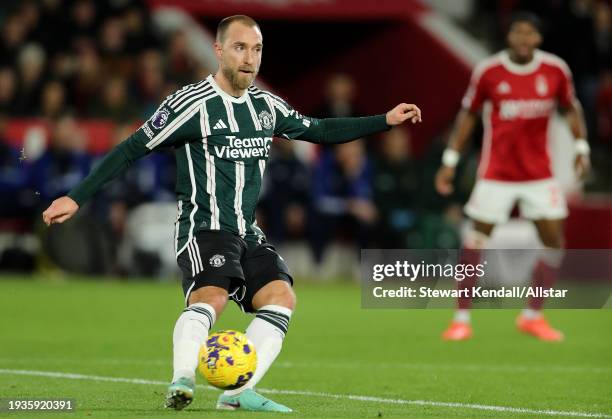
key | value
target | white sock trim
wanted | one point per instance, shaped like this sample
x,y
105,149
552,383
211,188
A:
x,y
197,307
531,314
462,316
279,309
552,256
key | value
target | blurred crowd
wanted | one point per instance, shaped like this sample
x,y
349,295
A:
x,y
90,59
65,61
106,62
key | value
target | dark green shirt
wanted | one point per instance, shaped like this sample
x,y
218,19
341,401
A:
x,y
221,145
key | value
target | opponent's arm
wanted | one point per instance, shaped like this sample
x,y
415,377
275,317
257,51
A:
x,y
575,118
462,131
475,96
341,130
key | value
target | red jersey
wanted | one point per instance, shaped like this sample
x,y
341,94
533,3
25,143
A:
x,y
517,104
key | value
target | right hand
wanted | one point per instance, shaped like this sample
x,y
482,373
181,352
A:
x,y
403,112
60,210
444,180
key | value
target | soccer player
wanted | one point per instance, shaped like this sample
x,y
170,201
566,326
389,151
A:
x,y
518,90
221,130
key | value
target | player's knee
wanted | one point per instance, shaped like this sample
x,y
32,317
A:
x,y
216,297
289,299
276,293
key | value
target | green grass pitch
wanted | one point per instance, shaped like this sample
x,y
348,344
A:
x,y
111,334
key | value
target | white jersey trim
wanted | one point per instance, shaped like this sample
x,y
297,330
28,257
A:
x,y
229,108
477,74
181,95
210,170
556,61
177,225
487,138
187,88
193,192
224,94
522,69
173,126
240,181
195,97
254,117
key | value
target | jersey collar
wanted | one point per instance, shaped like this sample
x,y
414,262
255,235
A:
x,y
224,94
515,68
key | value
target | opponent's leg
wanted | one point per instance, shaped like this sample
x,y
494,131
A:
x,y
531,320
471,253
190,333
274,304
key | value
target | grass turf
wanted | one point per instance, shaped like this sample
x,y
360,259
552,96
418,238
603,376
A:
x,y
107,328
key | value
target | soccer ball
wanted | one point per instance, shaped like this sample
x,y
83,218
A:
x,y
228,360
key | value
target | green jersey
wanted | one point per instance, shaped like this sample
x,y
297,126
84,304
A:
x,y
221,144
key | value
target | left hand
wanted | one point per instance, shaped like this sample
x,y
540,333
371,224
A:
x,y
582,165
403,112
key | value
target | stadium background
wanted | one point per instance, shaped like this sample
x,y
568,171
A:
x,y
78,76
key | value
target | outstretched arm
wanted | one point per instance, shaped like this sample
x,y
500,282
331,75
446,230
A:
x,y
166,127
464,126
341,130
113,164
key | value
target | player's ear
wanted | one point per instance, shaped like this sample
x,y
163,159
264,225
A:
x,y
218,50
538,40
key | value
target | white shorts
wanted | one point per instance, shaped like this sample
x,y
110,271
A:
x,y
492,201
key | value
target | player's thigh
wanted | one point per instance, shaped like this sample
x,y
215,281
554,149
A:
x,y
543,200
267,279
491,202
211,267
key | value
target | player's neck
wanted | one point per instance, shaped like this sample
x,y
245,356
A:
x,y
517,59
226,86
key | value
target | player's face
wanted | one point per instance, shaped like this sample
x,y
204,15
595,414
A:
x,y
240,55
523,39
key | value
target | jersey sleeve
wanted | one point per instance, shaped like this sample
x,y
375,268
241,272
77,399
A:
x,y
566,93
289,123
166,127
476,93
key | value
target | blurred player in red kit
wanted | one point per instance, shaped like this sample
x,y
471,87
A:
x,y
517,90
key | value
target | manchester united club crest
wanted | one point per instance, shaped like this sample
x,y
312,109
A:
x,y
541,85
265,118
217,261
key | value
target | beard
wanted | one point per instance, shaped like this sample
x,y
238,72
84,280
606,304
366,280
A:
x,y
239,80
